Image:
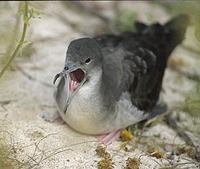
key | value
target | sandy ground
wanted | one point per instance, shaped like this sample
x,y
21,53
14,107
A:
x,y
29,93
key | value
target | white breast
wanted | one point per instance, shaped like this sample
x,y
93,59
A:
x,y
84,113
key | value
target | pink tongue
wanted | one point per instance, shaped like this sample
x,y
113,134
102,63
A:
x,y
73,85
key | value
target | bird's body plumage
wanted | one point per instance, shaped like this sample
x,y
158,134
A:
x,y
123,87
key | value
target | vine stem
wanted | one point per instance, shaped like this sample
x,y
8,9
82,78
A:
x,y
19,45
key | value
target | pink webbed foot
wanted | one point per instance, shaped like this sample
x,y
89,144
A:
x,y
108,138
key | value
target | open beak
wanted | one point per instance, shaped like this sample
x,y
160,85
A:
x,y
72,78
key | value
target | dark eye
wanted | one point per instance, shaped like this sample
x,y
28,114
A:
x,y
66,68
87,60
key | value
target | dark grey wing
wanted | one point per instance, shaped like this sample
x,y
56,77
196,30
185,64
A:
x,y
140,78
133,72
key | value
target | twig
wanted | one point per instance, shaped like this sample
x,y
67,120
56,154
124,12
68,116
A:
x,y
55,152
20,42
173,124
14,35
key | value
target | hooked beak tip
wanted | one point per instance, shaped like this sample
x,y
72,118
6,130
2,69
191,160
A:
x,y
56,77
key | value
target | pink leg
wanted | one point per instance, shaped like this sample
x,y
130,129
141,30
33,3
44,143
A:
x,y
109,137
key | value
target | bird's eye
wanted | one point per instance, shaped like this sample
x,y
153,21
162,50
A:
x,y
66,68
88,60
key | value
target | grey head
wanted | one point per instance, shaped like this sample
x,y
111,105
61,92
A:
x,y
83,55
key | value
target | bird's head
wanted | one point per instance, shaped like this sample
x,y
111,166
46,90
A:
x,y
83,56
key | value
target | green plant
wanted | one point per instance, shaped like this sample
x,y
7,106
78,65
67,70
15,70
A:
x,y
26,13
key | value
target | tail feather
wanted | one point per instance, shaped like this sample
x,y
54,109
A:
x,y
175,29
164,38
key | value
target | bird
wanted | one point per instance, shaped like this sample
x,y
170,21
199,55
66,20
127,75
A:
x,y
112,81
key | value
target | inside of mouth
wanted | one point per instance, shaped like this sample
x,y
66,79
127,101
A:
x,y
76,77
